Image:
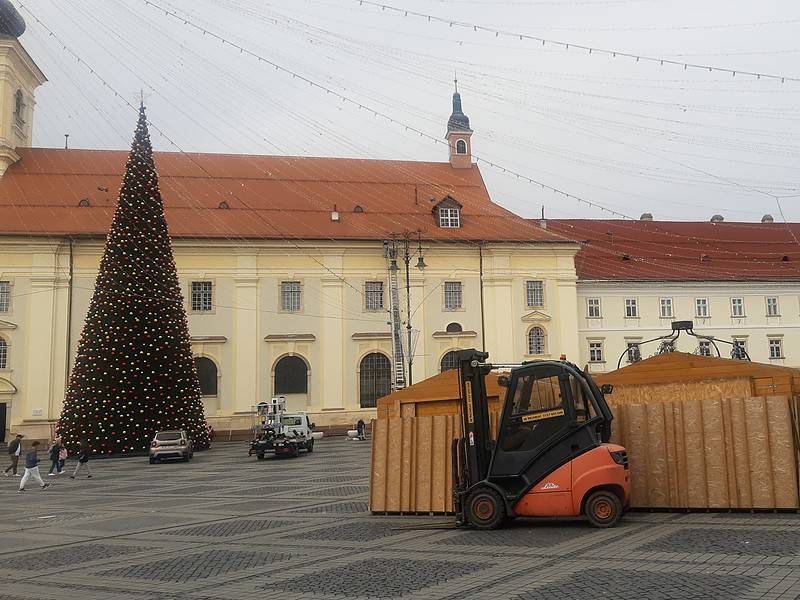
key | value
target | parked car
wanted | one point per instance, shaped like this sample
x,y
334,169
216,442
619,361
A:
x,y
171,444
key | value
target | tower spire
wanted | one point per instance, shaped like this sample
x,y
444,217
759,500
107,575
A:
x,y
459,133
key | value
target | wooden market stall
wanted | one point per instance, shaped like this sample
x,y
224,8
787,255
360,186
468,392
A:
x,y
701,432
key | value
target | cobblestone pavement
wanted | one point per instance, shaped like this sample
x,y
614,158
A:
x,y
227,527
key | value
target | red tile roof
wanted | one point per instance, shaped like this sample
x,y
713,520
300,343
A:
x,y
683,251
268,196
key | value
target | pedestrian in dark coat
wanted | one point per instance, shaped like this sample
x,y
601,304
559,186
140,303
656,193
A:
x,y
14,452
55,457
360,427
32,468
83,460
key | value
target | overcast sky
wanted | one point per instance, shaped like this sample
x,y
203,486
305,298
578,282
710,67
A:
x,y
634,137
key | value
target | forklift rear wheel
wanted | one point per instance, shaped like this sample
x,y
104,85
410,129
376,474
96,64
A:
x,y
485,509
310,446
603,509
260,456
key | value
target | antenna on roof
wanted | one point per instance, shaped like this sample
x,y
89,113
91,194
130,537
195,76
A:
x,y
542,211
66,141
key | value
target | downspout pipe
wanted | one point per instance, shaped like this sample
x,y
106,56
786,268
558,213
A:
x,y
483,312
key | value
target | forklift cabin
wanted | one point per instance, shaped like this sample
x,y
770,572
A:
x,y
552,456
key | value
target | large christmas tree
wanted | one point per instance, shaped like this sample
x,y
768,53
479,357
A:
x,y
134,373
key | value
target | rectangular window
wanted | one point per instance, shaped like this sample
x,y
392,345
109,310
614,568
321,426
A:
x,y
737,307
701,307
666,308
290,296
202,296
5,296
593,308
373,295
449,217
631,308
704,348
739,349
595,352
776,348
772,307
453,296
534,294
634,352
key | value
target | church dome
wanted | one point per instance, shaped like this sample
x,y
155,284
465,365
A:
x,y
11,22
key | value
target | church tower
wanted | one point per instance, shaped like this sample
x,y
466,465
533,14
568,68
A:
x,y
459,135
19,78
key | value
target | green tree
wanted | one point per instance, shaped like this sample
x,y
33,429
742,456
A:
x,y
134,373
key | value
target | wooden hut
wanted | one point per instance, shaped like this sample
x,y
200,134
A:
x,y
701,432
707,432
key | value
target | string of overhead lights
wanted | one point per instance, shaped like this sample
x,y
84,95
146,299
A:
x,y
567,45
573,196
378,113
617,213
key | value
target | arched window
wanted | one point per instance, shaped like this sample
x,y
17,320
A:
x,y
536,341
454,328
375,379
291,376
450,360
358,209
461,147
3,354
207,373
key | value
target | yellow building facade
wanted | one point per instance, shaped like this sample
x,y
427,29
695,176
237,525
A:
x,y
287,272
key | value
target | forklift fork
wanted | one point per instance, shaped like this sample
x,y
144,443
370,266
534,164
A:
x,y
458,451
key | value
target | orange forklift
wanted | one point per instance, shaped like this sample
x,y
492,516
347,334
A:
x,y
552,456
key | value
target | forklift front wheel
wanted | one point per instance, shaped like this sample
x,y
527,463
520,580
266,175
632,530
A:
x,y
603,509
485,509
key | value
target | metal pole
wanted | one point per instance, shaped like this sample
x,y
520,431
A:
x,y
407,258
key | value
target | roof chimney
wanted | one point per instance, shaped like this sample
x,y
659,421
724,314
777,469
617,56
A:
x,y
767,219
646,217
717,219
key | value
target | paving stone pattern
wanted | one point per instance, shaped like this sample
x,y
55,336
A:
x,y
380,578
339,507
70,555
642,585
226,526
198,566
349,532
229,528
741,540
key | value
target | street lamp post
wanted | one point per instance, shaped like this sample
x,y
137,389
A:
x,y
407,256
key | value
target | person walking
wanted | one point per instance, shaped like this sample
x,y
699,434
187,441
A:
x,y
32,468
14,452
62,458
360,427
54,452
83,460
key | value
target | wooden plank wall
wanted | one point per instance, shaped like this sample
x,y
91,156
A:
x,y
712,453
411,463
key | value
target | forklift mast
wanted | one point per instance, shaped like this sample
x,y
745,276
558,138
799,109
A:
x,y
477,445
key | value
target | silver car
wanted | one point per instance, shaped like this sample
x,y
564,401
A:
x,y
171,444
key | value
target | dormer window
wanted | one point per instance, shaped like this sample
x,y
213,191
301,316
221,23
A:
x,y
449,217
461,147
19,108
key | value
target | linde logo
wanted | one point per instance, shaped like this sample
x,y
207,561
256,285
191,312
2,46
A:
x,y
550,486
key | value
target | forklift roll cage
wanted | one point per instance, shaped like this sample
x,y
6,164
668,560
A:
x,y
580,422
